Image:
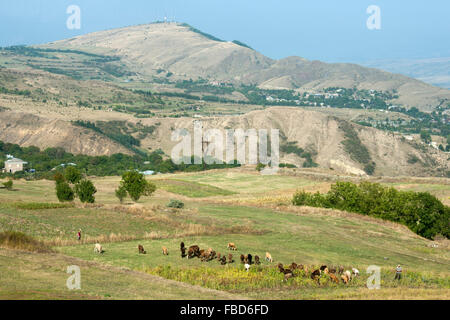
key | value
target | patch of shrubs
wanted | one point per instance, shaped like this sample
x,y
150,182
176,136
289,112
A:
x,y
421,212
41,205
21,241
355,148
8,185
175,204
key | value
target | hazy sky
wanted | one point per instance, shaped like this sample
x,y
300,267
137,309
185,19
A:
x,y
328,30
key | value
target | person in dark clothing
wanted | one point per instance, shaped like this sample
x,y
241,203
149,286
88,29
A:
x,y
79,234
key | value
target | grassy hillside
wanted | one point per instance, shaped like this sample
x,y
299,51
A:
x,y
228,205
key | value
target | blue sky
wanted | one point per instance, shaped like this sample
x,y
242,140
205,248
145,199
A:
x,y
327,30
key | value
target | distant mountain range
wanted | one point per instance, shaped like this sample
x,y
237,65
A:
x,y
435,71
184,52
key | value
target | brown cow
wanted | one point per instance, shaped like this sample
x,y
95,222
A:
x,y
293,266
223,261
230,258
315,275
165,251
334,278
257,260
141,249
242,258
345,278
194,251
231,246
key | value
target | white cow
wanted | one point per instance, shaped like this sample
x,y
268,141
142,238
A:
x,y
98,248
355,272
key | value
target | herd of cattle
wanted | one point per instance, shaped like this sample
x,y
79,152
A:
x,y
293,270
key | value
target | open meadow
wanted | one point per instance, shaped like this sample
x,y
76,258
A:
x,y
221,206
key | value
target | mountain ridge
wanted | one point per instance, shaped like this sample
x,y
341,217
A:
x,y
186,54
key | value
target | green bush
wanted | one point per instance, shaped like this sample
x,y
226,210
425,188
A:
x,y
8,185
175,204
421,212
121,193
260,166
85,191
64,192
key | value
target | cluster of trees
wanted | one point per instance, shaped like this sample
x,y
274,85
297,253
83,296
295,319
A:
x,y
71,183
421,212
46,160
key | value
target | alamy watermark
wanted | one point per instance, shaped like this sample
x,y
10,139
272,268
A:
x,y
226,146
374,20
74,281
374,280
74,20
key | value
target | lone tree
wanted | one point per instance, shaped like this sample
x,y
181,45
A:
x,y
136,186
85,191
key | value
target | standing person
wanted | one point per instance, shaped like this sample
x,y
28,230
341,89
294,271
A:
x,y
79,234
398,272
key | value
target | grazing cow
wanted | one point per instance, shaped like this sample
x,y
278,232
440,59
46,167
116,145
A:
x,y
346,276
288,276
223,260
194,251
249,259
230,258
98,248
204,255
212,255
231,246
315,275
355,272
323,267
280,267
293,266
334,278
257,260
269,257
242,258
341,269
165,251
141,249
